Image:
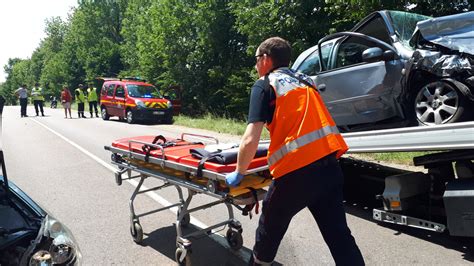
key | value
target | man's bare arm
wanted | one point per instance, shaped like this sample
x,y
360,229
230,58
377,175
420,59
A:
x,y
248,146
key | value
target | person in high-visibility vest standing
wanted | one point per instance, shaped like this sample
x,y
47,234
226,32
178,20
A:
x,y
38,98
81,99
304,147
92,98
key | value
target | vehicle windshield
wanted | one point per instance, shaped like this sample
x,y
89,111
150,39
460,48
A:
x,y
404,24
143,91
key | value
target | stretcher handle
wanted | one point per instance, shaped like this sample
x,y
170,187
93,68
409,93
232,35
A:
x,y
202,136
148,144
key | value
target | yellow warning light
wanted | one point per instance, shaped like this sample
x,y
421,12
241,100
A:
x,y
395,204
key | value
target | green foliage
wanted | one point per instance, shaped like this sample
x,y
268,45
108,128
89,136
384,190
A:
x,y
206,47
216,124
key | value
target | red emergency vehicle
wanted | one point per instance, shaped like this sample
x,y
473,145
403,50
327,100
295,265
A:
x,y
134,100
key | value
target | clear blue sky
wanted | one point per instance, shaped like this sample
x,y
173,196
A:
x,y
22,26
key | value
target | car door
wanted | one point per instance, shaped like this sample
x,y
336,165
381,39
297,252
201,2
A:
x,y
356,91
119,101
107,97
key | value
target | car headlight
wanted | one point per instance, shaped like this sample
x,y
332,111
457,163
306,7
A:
x,y
169,104
140,104
62,248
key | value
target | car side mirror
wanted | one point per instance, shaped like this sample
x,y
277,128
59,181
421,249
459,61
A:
x,y
373,54
389,55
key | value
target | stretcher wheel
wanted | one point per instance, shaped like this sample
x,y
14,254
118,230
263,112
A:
x,y
178,255
138,235
118,179
186,219
234,239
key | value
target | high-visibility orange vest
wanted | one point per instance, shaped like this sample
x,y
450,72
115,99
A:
x,y
302,130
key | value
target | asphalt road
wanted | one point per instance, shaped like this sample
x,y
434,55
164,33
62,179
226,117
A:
x,y
61,164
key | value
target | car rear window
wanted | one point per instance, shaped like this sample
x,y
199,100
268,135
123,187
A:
x,y
110,90
143,91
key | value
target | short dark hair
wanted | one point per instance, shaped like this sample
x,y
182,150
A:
x,y
278,49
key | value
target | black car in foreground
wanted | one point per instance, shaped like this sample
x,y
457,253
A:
x,y
28,234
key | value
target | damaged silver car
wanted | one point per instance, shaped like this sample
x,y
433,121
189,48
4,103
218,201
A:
x,y
396,69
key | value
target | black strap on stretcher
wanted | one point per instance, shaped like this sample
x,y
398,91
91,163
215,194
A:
x,y
164,143
225,156
247,210
203,160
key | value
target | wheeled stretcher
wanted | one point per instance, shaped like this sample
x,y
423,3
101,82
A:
x,y
197,167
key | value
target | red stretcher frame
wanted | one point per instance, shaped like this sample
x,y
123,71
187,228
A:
x,y
176,167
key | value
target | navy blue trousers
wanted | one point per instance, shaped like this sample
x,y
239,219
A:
x,y
318,186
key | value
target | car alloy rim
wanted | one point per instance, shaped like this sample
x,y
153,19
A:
x,y
436,103
129,116
103,113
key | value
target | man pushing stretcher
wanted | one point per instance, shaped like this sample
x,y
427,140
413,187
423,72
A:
x,y
302,157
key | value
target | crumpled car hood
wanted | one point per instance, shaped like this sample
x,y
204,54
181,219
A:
x,y
455,32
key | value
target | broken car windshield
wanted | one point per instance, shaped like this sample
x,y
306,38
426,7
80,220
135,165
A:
x,y
404,24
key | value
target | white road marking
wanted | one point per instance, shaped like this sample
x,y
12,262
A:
x,y
220,239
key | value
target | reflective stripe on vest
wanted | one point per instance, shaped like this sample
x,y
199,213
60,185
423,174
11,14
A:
x,y
37,94
300,142
81,97
92,94
302,130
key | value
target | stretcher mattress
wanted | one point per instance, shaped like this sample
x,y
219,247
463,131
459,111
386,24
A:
x,y
180,152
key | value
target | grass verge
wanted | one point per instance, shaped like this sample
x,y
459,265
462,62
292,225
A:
x,y
217,124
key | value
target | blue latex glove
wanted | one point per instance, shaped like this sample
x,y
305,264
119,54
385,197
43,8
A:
x,y
233,179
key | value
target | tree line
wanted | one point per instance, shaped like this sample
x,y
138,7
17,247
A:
x,y
205,47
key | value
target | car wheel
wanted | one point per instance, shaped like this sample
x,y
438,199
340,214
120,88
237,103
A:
x,y
104,114
130,118
437,103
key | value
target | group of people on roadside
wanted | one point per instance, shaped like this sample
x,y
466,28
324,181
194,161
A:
x,y
86,94
83,94
37,96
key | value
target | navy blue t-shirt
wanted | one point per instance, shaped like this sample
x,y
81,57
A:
x,y
262,102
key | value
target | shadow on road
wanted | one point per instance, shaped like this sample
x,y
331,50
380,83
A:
x,y
205,251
